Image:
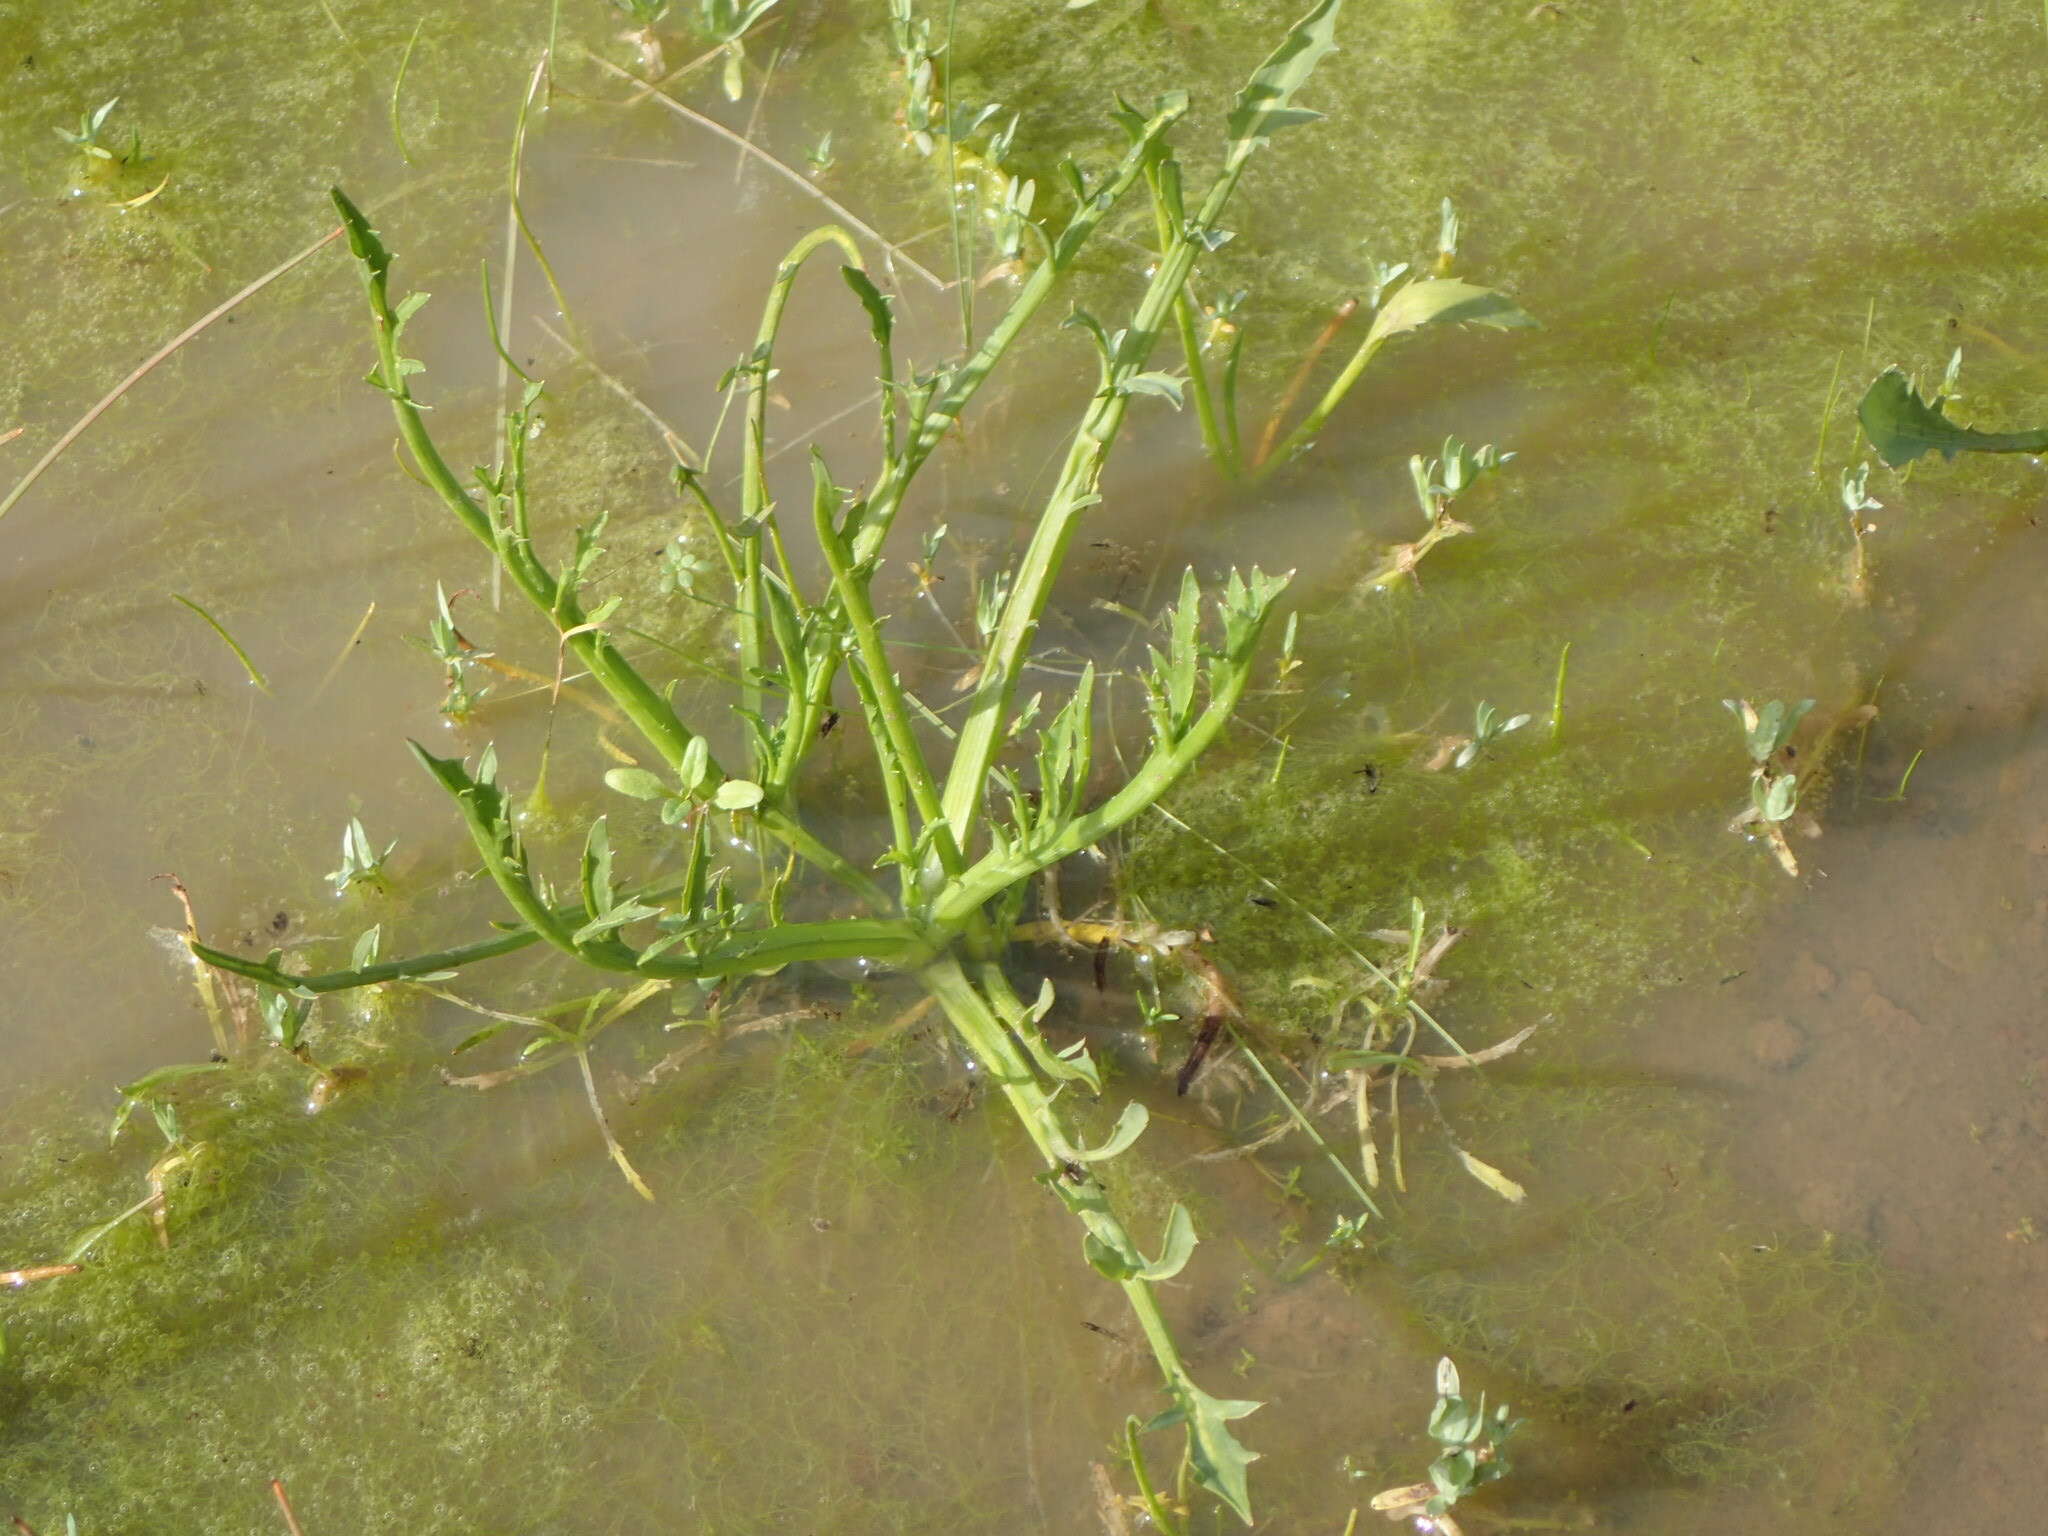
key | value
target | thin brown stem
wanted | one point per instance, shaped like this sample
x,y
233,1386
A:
x,y
1292,394
839,210
149,364
291,1521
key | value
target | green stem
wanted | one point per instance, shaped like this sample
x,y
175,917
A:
x,y
1302,1121
649,711
1160,771
1557,698
884,940
1222,443
883,687
981,1027
967,380
981,733
757,512
1311,424
1213,436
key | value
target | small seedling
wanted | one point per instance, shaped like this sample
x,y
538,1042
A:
x,y
1773,787
284,1015
1857,502
447,645
1487,728
1766,731
645,16
86,137
727,23
1472,1453
1438,483
361,864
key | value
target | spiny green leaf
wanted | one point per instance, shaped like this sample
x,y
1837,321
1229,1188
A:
x,y
613,920
1220,1460
1901,426
1265,105
363,243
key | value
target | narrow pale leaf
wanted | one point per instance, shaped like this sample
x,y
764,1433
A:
x,y
1492,1178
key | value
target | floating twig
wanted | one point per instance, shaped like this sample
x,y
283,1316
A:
x,y
347,649
291,1520
149,364
789,173
255,674
17,1278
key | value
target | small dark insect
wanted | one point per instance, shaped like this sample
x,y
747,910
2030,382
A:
x,y
1629,1406
1102,965
280,922
1264,901
966,1099
1770,519
1107,1333
828,724
1205,1037
1371,774
1073,1172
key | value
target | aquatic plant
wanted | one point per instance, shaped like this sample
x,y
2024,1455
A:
x,y
1902,424
969,826
1473,1453
1773,786
87,139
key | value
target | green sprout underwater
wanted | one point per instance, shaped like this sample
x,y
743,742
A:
x,y
980,799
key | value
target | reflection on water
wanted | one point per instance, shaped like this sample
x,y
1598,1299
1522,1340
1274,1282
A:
x,y
1780,1258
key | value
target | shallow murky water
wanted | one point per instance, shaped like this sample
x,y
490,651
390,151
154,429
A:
x,y
1779,1266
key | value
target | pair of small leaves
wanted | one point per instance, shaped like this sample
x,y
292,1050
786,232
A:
x,y
695,773
1775,798
144,1091
1766,730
